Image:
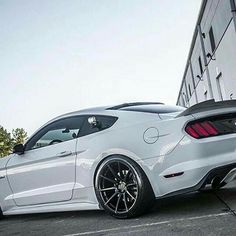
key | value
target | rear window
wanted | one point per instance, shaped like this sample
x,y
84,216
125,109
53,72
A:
x,y
154,108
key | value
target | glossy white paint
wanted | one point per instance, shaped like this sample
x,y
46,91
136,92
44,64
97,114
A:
x,y
44,179
43,175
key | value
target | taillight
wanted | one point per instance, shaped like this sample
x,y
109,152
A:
x,y
212,126
209,128
201,129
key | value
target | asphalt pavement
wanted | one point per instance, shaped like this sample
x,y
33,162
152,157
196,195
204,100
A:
x,y
199,213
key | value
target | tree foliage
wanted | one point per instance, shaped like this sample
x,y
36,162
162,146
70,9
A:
x,y
8,140
5,142
19,136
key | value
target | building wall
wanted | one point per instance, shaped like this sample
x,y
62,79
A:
x,y
211,65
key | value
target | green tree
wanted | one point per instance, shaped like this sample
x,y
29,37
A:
x,y
19,136
6,142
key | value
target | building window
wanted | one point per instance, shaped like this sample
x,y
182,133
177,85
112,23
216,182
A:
x,y
205,95
185,98
212,40
233,5
200,65
220,87
182,101
189,89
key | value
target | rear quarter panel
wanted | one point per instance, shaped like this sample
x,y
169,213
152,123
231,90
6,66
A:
x,y
125,137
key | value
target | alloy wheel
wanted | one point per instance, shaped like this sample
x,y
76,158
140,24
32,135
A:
x,y
118,186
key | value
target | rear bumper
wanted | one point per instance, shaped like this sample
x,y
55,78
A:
x,y
199,160
227,173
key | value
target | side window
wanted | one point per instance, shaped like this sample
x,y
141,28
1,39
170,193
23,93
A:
x,y
104,122
56,132
200,65
189,90
212,40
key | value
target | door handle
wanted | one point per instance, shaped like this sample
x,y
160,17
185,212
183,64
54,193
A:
x,y
64,154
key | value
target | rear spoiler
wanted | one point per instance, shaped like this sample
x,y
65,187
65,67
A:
x,y
208,106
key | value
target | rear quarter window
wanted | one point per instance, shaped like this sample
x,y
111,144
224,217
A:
x,y
105,122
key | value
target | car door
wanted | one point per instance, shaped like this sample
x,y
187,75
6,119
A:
x,y
45,172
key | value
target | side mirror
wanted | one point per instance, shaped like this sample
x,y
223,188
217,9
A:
x,y
19,149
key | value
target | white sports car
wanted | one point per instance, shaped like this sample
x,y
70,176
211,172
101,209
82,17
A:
x,y
120,158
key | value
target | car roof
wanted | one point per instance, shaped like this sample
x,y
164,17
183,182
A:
x,y
149,107
103,109
87,111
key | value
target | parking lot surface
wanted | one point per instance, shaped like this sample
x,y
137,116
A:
x,y
199,213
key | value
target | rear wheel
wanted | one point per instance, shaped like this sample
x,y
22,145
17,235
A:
x,y
122,187
1,215
217,183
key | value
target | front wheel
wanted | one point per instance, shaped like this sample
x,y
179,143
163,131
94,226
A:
x,y
122,187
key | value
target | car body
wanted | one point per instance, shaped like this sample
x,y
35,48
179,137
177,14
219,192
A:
x,y
163,146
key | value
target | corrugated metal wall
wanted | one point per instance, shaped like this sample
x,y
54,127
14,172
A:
x,y
211,66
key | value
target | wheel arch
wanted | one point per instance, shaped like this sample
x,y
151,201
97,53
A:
x,y
121,155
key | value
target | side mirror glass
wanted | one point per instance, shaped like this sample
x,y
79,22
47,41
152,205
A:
x,y
19,149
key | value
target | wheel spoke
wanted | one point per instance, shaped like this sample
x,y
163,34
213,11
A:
x,y
107,189
117,204
130,194
131,185
108,179
120,171
127,175
118,186
113,172
111,198
125,203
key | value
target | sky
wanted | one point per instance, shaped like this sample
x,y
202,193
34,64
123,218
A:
x,y
60,56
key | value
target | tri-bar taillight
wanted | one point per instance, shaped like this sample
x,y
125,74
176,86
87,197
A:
x,y
212,126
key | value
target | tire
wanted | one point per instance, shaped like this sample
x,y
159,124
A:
x,y
217,183
122,188
1,215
